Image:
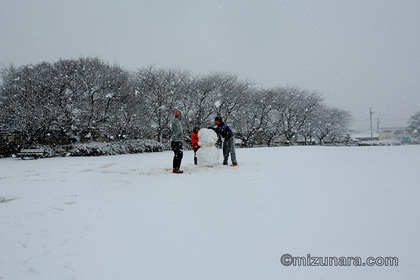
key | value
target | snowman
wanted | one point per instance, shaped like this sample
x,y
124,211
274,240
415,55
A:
x,y
208,154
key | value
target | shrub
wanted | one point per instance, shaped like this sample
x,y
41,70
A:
x,y
106,149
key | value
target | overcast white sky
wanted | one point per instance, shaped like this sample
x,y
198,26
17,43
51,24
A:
x,y
358,54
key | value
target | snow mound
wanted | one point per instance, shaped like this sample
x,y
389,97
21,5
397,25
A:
x,y
207,137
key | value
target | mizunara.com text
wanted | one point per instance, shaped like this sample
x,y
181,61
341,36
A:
x,y
309,260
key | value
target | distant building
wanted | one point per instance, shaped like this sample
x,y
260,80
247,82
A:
x,y
366,136
402,134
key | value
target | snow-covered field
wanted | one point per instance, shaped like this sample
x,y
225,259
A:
x,y
127,217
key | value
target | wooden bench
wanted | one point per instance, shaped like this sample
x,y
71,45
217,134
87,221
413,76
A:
x,y
31,153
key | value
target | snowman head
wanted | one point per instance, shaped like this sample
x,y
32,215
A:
x,y
207,137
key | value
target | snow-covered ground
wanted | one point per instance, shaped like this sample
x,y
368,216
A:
x,y
128,217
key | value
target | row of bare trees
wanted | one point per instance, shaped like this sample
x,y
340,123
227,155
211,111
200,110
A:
x,y
415,124
88,99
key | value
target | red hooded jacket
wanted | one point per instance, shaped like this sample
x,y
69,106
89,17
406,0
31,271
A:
x,y
194,140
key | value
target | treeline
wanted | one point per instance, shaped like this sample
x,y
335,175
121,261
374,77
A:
x,y
415,124
89,100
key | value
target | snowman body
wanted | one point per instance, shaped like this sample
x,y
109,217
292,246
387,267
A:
x,y
208,154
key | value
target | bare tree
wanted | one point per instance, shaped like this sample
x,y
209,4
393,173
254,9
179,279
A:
x,y
232,94
252,121
74,98
199,100
26,101
415,124
88,96
329,123
293,109
162,90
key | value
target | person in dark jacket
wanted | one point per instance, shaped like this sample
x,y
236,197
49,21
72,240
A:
x,y
176,142
228,141
194,142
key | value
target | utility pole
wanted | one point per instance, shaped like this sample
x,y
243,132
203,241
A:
x,y
371,131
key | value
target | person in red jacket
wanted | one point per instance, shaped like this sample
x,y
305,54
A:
x,y
194,142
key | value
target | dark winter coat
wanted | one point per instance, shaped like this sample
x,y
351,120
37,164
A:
x,y
177,133
224,130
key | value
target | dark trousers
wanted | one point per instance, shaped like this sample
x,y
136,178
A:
x,y
195,154
178,154
229,148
